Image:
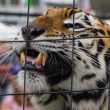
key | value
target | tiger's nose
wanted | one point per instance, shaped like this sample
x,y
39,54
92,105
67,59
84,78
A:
x,y
32,32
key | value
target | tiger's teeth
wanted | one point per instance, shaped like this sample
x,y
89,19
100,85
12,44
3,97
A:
x,y
39,59
44,60
22,56
32,62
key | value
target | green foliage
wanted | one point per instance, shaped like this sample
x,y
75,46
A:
x,y
3,1
12,1
33,2
15,2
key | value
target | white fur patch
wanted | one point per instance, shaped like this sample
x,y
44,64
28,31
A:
x,y
68,21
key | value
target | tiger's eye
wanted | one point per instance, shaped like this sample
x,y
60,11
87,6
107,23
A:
x,y
78,26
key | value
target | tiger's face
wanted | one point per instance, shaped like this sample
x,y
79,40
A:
x,y
49,61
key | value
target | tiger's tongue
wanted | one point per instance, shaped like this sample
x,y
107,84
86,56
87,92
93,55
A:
x,y
39,61
33,61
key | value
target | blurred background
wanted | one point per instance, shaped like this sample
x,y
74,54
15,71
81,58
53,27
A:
x,y
100,8
13,14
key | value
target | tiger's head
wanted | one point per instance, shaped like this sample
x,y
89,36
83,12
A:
x,y
49,58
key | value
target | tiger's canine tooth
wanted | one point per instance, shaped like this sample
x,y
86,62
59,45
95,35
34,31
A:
x,y
44,59
39,59
32,62
22,56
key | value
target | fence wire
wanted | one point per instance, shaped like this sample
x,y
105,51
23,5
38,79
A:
x,y
71,91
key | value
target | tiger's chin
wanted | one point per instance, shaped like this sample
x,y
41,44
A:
x,y
34,81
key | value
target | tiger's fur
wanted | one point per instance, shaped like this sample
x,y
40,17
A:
x,y
91,60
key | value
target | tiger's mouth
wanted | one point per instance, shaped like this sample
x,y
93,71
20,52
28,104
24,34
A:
x,y
35,57
44,65
34,60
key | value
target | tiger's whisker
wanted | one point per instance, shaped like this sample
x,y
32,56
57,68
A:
x,y
8,67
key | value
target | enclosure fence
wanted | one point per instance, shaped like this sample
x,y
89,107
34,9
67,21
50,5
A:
x,y
71,91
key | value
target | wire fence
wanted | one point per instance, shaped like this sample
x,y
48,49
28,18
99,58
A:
x,y
26,41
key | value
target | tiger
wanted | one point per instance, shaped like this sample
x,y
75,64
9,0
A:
x,y
66,56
